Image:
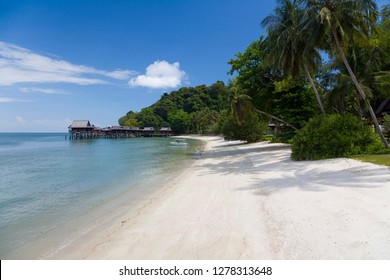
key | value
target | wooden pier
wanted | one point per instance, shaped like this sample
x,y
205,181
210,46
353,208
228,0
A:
x,y
83,129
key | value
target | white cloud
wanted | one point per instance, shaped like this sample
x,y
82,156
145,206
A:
x,y
121,74
160,74
42,90
20,65
8,99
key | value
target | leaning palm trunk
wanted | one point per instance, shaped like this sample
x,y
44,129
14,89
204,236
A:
x,y
314,88
359,88
275,118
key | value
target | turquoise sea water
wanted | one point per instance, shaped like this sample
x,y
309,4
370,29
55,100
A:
x,y
50,186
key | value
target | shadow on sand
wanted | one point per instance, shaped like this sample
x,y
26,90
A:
x,y
271,169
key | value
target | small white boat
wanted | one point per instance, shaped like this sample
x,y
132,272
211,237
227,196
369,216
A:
x,y
179,142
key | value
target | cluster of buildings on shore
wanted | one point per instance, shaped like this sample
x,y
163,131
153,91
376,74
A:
x,y
83,129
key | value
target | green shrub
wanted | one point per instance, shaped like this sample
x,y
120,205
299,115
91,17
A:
x,y
252,129
331,136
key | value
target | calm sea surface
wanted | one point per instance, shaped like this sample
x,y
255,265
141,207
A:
x,y
50,187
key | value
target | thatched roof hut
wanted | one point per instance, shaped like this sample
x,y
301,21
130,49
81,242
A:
x,y
81,126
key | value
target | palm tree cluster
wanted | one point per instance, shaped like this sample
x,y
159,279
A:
x,y
300,31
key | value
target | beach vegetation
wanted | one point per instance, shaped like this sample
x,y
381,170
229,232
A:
x,y
334,25
205,121
369,58
240,104
290,49
287,103
250,129
333,136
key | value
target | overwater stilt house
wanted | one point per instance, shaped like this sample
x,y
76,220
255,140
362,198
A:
x,y
81,129
166,131
125,131
148,131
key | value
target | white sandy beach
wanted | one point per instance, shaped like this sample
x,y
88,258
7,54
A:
x,y
252,202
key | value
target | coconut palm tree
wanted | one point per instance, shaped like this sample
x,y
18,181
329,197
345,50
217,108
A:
x,y
342,20
240,104
290,49
368,62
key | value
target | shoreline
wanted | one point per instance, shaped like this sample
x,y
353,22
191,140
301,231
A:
x,y
92,204
252,202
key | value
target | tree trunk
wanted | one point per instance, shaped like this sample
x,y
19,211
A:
x,y
359,88
275,118
314,88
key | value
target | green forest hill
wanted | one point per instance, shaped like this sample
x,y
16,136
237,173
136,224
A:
x,y
187,110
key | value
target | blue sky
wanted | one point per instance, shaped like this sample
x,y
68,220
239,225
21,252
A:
x,y
96,60
62,60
